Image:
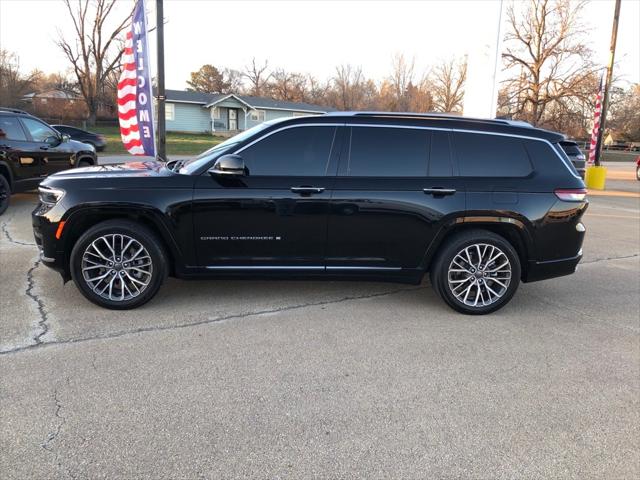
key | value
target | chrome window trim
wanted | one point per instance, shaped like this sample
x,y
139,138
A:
x,y
412,127
287,127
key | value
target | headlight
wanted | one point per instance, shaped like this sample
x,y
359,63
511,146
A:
x,y
49,195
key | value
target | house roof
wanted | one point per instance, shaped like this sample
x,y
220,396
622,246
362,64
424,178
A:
x,y
63,94
254,102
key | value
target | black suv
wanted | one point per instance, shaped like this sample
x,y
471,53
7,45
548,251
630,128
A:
x,y
30,150
479,204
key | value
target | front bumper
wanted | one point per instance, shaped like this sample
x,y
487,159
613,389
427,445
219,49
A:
x,y
44,233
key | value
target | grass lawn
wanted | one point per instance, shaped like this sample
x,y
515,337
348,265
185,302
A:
x,y
177,143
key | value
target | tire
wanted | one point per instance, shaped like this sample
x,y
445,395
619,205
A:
x,y
638,173
84,163
5,194
133,283
473,287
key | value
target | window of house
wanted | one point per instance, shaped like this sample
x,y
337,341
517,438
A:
x,y
169,111
483,155
216,113
300,151
258,115
388,152
10,129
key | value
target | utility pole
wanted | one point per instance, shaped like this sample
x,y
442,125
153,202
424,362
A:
x,y
161,148
607,85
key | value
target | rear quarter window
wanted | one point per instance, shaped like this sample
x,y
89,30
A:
x,y
548,159
483,155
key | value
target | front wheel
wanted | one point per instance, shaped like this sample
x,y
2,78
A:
x,y
477,272
118,264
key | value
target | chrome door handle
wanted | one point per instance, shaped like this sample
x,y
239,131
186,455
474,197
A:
x,y
307,190
439,191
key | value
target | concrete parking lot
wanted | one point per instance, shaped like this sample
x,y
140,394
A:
x,y
226,379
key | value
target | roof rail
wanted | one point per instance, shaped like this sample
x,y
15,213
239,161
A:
x,y
434,115
13,110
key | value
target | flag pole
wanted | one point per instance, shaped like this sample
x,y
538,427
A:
x,y
161,151
607,85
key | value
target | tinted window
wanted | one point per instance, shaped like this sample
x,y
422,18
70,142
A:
x,y
388,152
10,129
299,151
38,130
68,130
483,155
440,157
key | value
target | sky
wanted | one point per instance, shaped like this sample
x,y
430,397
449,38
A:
x,y
310,36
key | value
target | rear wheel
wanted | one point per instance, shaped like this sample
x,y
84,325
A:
x,y
5,194
118,264
638,173
477,272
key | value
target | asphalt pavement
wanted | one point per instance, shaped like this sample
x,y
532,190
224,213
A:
x,y
309,379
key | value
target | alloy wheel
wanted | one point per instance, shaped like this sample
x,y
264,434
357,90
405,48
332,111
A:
x,y
117,267
479,275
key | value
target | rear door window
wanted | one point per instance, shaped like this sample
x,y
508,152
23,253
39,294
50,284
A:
x,y
388,152
10,129
485,155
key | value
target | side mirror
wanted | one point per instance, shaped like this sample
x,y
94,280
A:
x,y
229,165
53,141
65,138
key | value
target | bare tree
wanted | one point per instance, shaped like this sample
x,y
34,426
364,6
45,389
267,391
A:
x,y
547,57
94,52
234,79
349,84
13,83
258,76
288,86
447,85
400,81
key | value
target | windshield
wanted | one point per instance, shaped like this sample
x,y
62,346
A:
x,y
193,165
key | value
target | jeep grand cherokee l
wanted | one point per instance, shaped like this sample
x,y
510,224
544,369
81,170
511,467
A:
x,y
479,205
30,150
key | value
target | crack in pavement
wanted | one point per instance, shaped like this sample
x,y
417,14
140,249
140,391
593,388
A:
x,y
5,230
42,323
60,422
236,316
609,258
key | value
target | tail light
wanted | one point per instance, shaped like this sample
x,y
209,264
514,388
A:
x,y
572,194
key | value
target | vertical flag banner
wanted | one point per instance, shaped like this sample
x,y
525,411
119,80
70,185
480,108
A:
x,y
135,103
596,126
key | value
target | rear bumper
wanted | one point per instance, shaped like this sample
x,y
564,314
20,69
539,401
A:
x,y
552,268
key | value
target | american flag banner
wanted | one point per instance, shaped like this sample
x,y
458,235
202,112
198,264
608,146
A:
x,y
135,103
596,126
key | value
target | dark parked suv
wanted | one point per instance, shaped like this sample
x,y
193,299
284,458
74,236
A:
x,y
478,204
30,150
